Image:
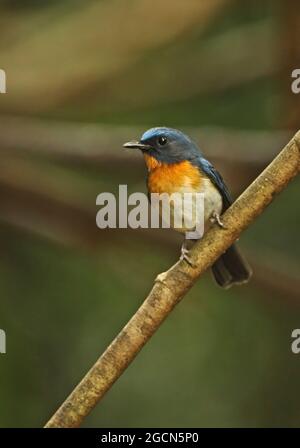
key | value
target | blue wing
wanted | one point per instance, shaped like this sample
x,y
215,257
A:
x,y
217,180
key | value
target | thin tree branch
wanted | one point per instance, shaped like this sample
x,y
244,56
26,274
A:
x,y
95,144
45,87
171,286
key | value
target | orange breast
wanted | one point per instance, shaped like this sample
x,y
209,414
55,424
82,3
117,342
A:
x,y
172,178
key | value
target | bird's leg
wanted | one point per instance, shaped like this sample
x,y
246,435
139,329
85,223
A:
x,y
215,218
184,253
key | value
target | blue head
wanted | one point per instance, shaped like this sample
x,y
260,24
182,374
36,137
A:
x,y
166,145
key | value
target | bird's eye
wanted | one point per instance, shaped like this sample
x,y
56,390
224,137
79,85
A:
x,y
162,140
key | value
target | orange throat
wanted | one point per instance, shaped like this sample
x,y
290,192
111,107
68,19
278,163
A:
x,y
171,178
151,162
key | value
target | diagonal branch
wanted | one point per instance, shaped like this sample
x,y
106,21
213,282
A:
x,y
171,286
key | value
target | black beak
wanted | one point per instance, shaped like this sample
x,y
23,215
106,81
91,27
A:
x,y
136,145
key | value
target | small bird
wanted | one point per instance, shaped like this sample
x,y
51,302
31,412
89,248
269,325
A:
x,y
175,164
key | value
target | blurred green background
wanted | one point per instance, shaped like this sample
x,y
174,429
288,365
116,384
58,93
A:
x,y
82,78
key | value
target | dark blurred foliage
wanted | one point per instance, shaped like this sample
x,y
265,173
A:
x,y
217,69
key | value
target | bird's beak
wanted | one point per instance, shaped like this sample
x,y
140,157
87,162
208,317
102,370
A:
x,y
137,145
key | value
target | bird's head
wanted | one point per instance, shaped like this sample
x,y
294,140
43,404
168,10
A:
x,y
165,145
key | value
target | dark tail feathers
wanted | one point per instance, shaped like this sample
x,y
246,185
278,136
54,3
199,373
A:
x,y
231,268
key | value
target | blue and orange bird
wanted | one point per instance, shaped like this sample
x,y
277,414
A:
x,y
176,165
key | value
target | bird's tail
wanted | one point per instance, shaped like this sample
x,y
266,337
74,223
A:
x,y
231,268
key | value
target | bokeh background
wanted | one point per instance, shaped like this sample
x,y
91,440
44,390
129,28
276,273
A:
x,y
82,78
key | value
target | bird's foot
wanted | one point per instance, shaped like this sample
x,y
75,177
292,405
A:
x,y
185,256
215,218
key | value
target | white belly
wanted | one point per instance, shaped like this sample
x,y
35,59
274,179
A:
x,y
212,203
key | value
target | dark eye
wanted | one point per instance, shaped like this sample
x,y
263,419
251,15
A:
x,y
162,140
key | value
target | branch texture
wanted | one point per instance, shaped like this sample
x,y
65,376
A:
x,y
171,286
